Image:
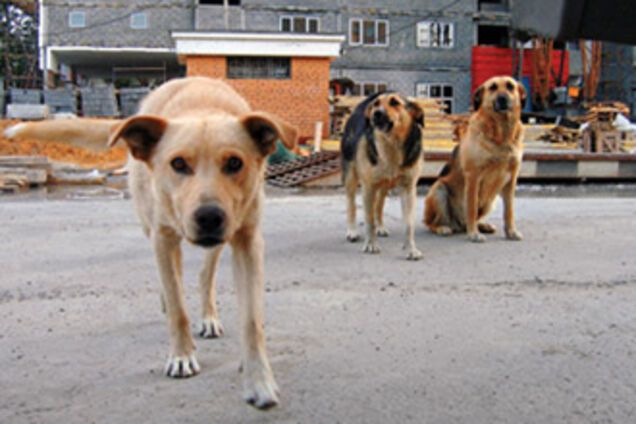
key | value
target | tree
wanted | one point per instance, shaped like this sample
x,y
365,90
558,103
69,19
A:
x,y
18,46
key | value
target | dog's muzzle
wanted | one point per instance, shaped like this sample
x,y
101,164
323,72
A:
x,y
381,121
502,103
210,221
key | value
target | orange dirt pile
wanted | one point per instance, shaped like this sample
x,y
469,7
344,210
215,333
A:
x,y
58,152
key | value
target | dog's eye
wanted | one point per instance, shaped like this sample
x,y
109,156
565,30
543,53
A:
x,y
180,166
394,102
233,165
509,86
377,103
493,87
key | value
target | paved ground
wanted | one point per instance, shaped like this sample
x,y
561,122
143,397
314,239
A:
x,y
541,331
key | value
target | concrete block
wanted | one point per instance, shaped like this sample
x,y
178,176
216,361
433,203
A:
x,y
27,112
25,96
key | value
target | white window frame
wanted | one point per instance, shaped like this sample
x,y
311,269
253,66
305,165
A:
x,y
137,15
423,90
291,23
76,14
377,22
423,34
361,85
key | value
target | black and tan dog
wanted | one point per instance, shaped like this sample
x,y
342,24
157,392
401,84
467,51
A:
x,y
382,149
197,161
486,163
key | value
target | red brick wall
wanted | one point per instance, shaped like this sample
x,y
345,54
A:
x,y
302,100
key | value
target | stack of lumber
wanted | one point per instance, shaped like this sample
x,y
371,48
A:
x,y
560,134
19,173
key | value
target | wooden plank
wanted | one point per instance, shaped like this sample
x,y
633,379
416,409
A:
x,y
37,162
34,176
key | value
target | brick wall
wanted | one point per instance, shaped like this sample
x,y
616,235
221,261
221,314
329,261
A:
x,y
302,100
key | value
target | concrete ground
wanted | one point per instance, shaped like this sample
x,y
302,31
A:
x,y
539,331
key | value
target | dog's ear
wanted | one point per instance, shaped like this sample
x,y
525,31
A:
x,y
265,129
478,96
141,134
417,113
522,94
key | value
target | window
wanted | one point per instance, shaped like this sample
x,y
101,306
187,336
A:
x,y
258,68
435,34
77,19
369,32
368,88
220,2
299,24
493,35
443,92
138,21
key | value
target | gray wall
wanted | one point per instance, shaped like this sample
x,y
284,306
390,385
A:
x,y
163,16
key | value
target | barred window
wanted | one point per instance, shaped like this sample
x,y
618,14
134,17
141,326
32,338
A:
x,y
302,24
258,67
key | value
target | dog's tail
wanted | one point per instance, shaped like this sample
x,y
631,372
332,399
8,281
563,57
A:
x,y
82,132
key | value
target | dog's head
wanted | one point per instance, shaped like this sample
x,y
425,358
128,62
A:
x,y
391,113
207,171
501,95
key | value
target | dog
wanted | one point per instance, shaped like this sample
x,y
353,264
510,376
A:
x,y
197,161
381,149
484,164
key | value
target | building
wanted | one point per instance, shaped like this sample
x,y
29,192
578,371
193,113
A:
x,y
429,49
418,48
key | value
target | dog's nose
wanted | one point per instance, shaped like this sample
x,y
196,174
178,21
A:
x,y
502,103
379,118
210,219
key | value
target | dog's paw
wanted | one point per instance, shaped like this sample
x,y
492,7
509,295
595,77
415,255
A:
x,y
486,228
476,238
443,231
261,391
414,255
210,328
370,247
382,232
514,235
182,366
352,236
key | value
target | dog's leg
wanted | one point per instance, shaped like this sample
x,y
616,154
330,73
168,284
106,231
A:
x,y
368,197
260,388
210,324
409,196
351,185
381,231
471,203
436,211
508,195
182,362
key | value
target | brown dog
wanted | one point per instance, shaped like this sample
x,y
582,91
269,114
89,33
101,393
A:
x,y
198,156
382,149
486,163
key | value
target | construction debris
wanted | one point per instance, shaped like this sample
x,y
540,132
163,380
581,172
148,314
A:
x,y
296,172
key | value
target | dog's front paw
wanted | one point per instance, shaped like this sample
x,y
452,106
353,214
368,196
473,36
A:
x,y
210,328
371,247
260,390
182,366
382,232
514,235
414,255
476,238
352,236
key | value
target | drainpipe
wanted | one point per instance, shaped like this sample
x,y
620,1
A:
x,y
226,14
